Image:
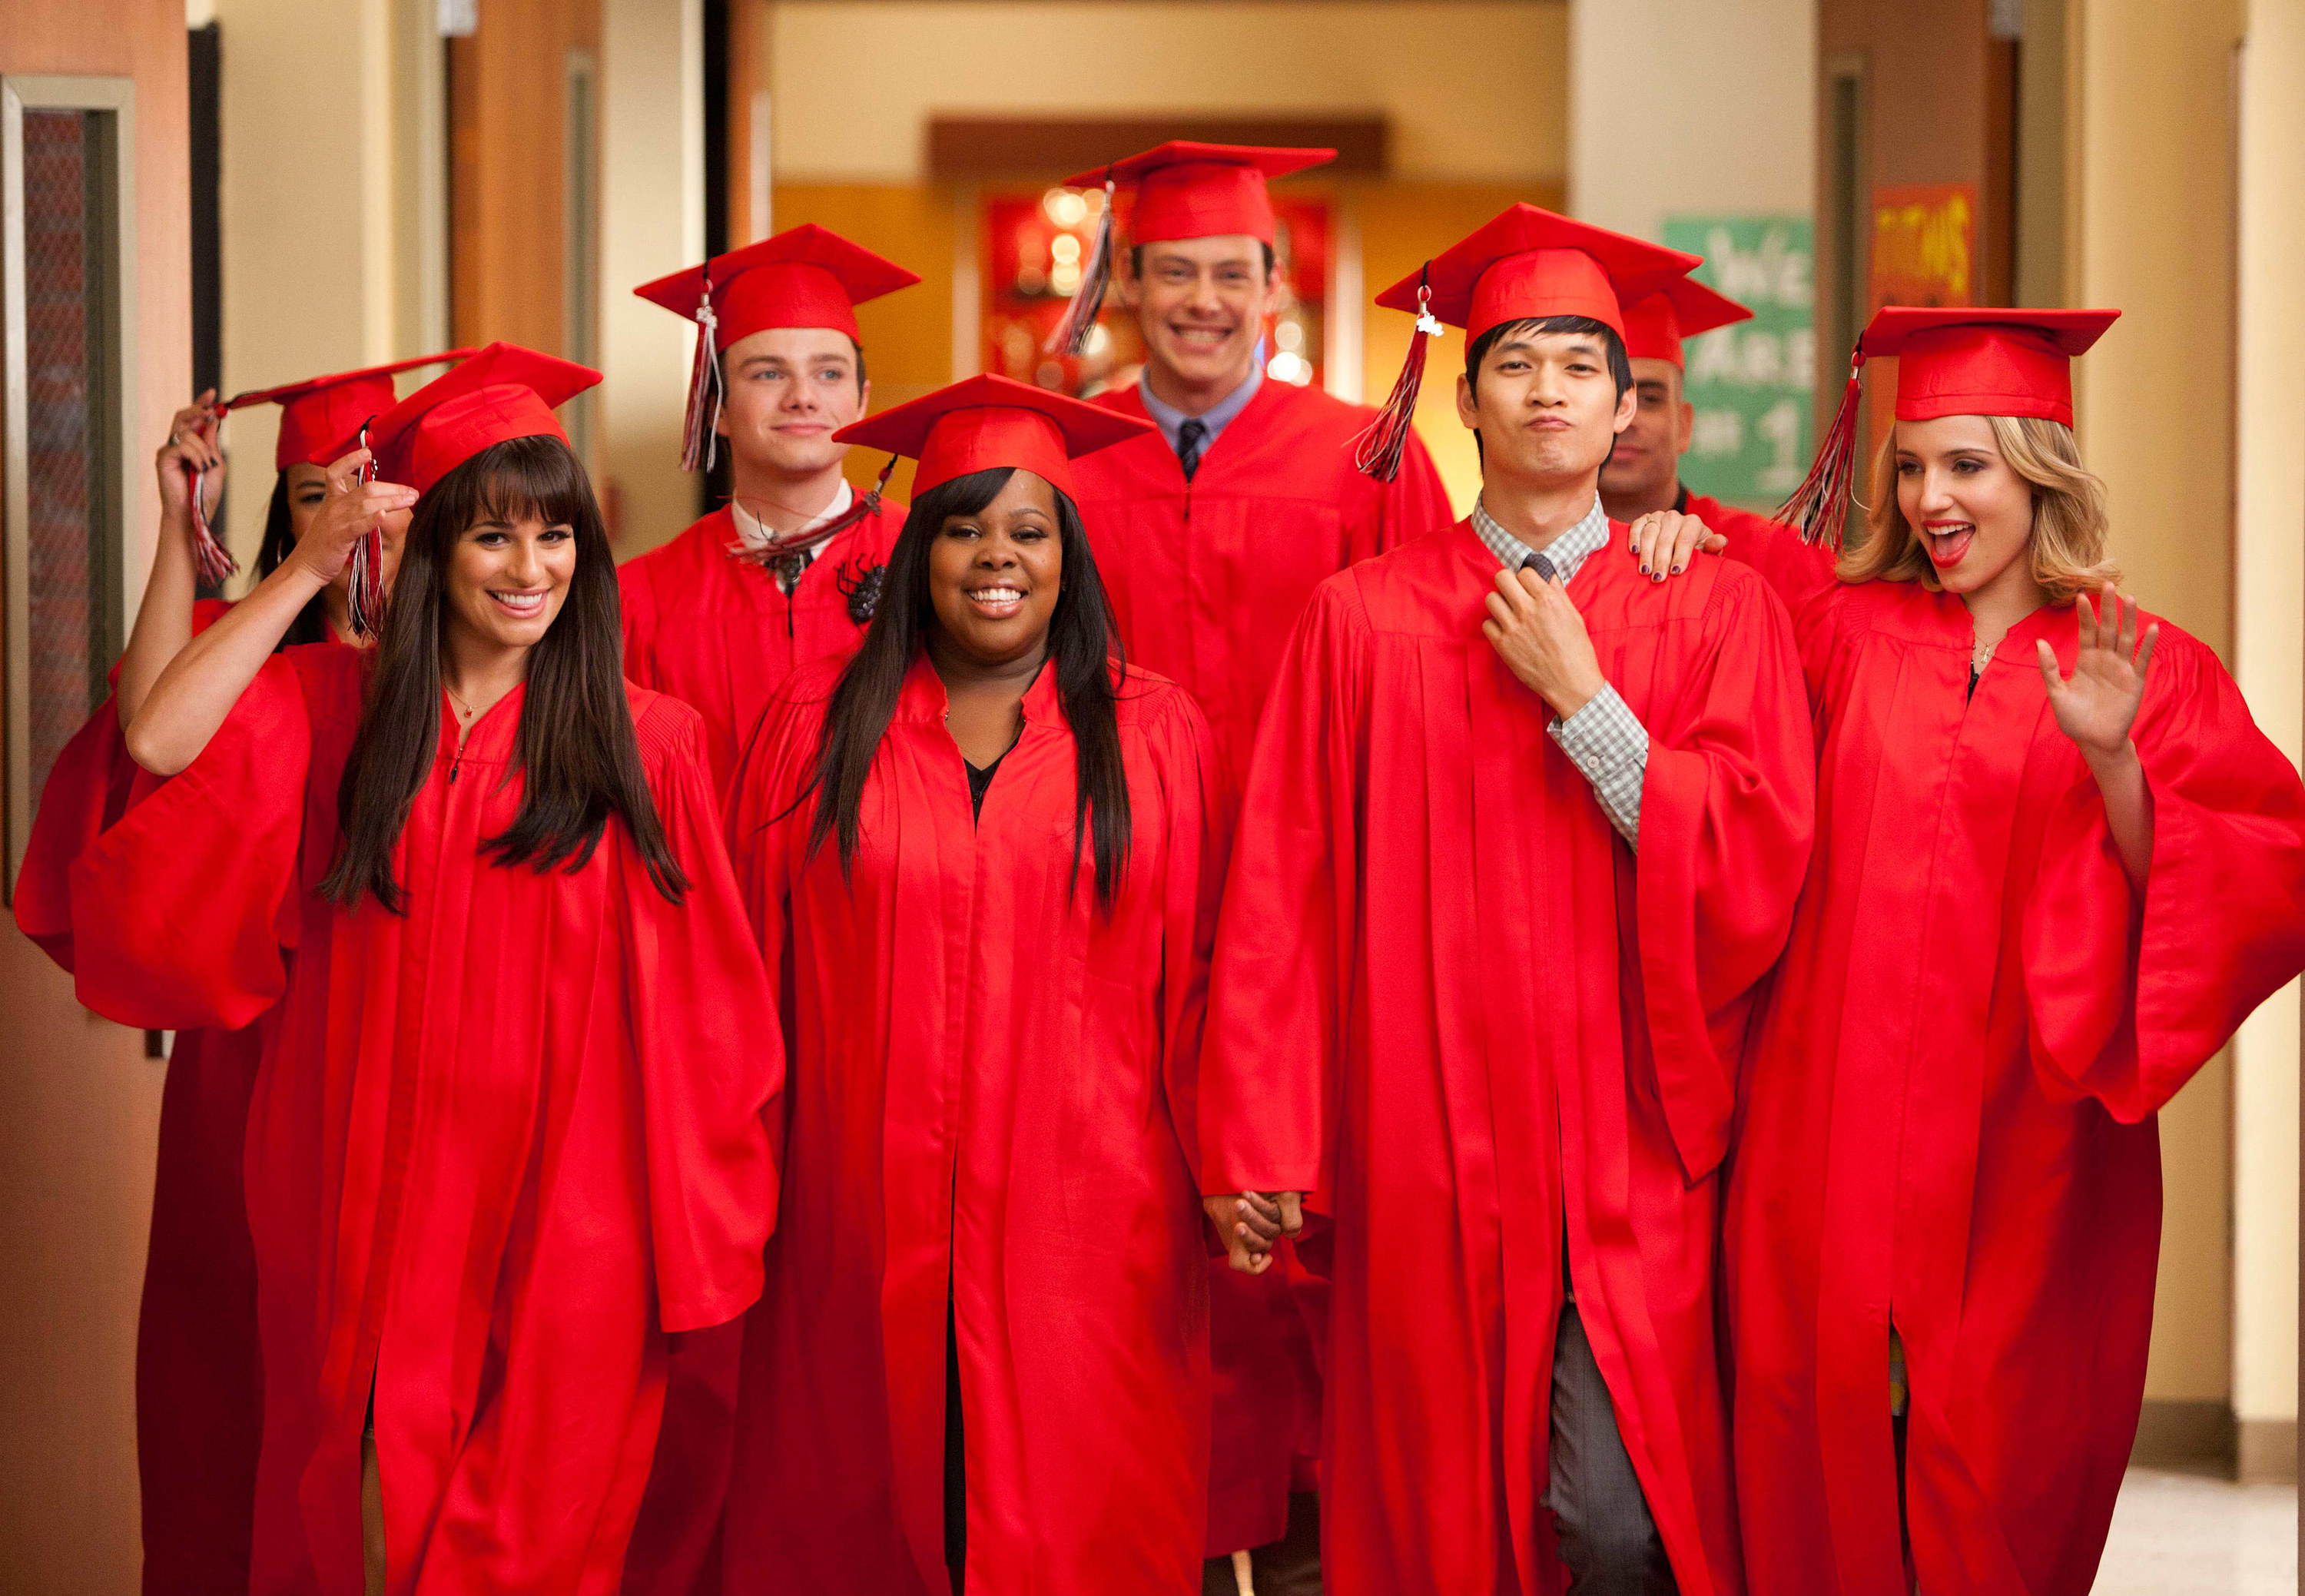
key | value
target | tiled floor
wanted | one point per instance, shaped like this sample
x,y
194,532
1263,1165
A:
x,y
2184,1535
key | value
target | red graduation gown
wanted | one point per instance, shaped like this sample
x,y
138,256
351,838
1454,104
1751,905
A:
x,y
1207,577
200,1397
498,1147
1776,551
1448,1001
992,1094
1950,1117
721,635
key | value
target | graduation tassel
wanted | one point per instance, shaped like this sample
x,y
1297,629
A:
x,y
1378,450
813,537
1071,336
364,597
699,438
213,560
1818,507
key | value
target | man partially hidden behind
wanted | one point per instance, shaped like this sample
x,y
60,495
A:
x,y
789,568
1523,827
1642,472
785,573
1210,535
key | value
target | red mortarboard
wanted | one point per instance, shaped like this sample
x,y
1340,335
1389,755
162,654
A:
x,y
1526,264
1655,323
803,277
1529,263
1186,189
1959,360
1951,360
982,422
503,392
319,415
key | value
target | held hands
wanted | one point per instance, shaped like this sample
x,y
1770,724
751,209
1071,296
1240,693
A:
x,y
1537,632
191,447
1663,540
2097,705
350,511
1251,1222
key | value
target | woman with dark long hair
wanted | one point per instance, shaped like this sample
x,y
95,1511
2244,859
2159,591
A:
x,y
2056,864
511,1129
199,1400
981,854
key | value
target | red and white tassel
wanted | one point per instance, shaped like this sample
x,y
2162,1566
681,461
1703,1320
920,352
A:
x,y
1072,333
700,437
213,560
820,534
364,594
1818,506
1382,443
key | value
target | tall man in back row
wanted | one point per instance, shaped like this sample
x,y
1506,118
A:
x,y
1210,536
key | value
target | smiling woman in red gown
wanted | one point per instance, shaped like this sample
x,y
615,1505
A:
x,y
511,1128
982,851
2056,864
199,1398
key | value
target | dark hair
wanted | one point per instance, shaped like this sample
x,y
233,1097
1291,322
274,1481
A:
x,y
1136,258
578,757
1621,366
1083,651
311,622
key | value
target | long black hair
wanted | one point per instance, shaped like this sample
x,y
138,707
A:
x,y
1082,651
311,622
576,749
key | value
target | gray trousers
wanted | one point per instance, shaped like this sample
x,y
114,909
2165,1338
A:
x,y
1609,1543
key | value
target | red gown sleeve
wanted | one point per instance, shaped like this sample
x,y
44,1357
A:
x,y
2127,999
1183,754
1281,980
1795,570
86,789
1415,502
1728,812
177,910
709,1049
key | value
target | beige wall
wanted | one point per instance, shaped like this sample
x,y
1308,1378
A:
x,y
324,232
652,222
1650,132
2155,218
78,1104
1472,90
2269,661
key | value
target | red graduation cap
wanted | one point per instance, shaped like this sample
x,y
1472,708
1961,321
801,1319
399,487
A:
x,y
1526,264
319,415
503,392
1190,190
1184,190
804,276
981,422
1655,323
1951,360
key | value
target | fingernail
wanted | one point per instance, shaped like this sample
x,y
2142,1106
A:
x,y
1645,567
1677,570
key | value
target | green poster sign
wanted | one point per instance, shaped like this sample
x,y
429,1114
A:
x,y
1752,385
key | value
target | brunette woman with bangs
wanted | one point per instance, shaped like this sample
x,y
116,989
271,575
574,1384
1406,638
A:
x,y
982,853
2056,864
511,1130
199,1398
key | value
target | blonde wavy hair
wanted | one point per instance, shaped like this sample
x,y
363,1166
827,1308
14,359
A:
x,y
2069,518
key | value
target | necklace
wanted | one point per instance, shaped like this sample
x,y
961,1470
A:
x,y
1981,656
464,710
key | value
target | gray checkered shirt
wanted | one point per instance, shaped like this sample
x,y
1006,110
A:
x,y
1605,740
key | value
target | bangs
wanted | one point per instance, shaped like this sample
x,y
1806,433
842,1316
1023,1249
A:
x,y
521,477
